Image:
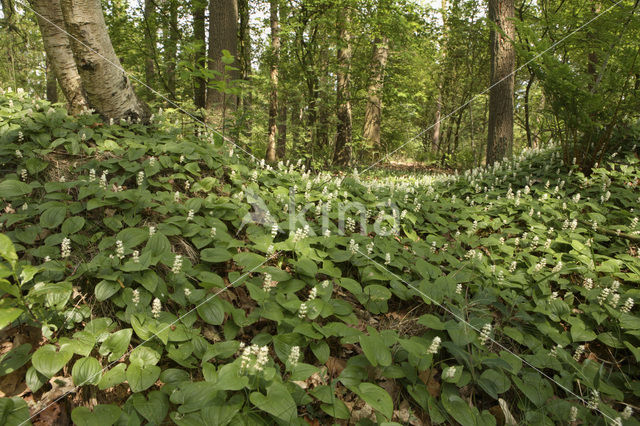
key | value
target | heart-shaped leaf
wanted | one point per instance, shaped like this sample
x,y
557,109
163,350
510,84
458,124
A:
x,y
48,360
142,377
154,407
86,371
102,415
278,402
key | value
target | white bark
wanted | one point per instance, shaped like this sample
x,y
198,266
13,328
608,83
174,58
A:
x,y
107,86
58,48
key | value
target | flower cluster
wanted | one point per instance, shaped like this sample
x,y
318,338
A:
x,y
140,178
353,246
65,247
294,356
156,308
136,297
302,311
577,355
485,333
301,234
254,358
268,283
135,256
628,306
177,264
119,249
435,345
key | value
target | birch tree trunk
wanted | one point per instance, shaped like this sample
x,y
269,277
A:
x,y
373,112
271,155
108,88
58,49
500,136
342,152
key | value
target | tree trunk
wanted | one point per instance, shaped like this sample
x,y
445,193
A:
x,y
500,134
150,37
281,149
223,35
435,142
171,48
52,84
342,152
296,123
58,49
199,83
271,155
108,88
244,38
527,113
373,112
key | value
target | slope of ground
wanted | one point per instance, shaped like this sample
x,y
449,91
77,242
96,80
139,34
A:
x,y
151,277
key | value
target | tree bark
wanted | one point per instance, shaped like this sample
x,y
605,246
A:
x,y
108,88
150,37
435,141
58,49
271,155
373,112
223,35
500,134
342,152
244,37
199,83
281,148
52,84
171,48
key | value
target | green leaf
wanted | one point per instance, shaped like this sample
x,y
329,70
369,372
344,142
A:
x,y
212,311
142,377
338,409
72,225
14,359
7,250
132,237
116,344
86,371
113,377
154,407
48,360
215,255
377,398
102,415
494,382
307,267
278,402
13,188
14,411
458,408
8,315
375,349
53,217
105,289
537,389
34,380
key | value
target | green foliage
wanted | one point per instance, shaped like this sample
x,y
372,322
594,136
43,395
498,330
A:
x,y
164,291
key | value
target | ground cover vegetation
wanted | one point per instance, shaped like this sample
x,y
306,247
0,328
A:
x,y
159,276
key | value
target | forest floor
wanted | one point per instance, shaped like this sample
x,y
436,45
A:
x,y
149,276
